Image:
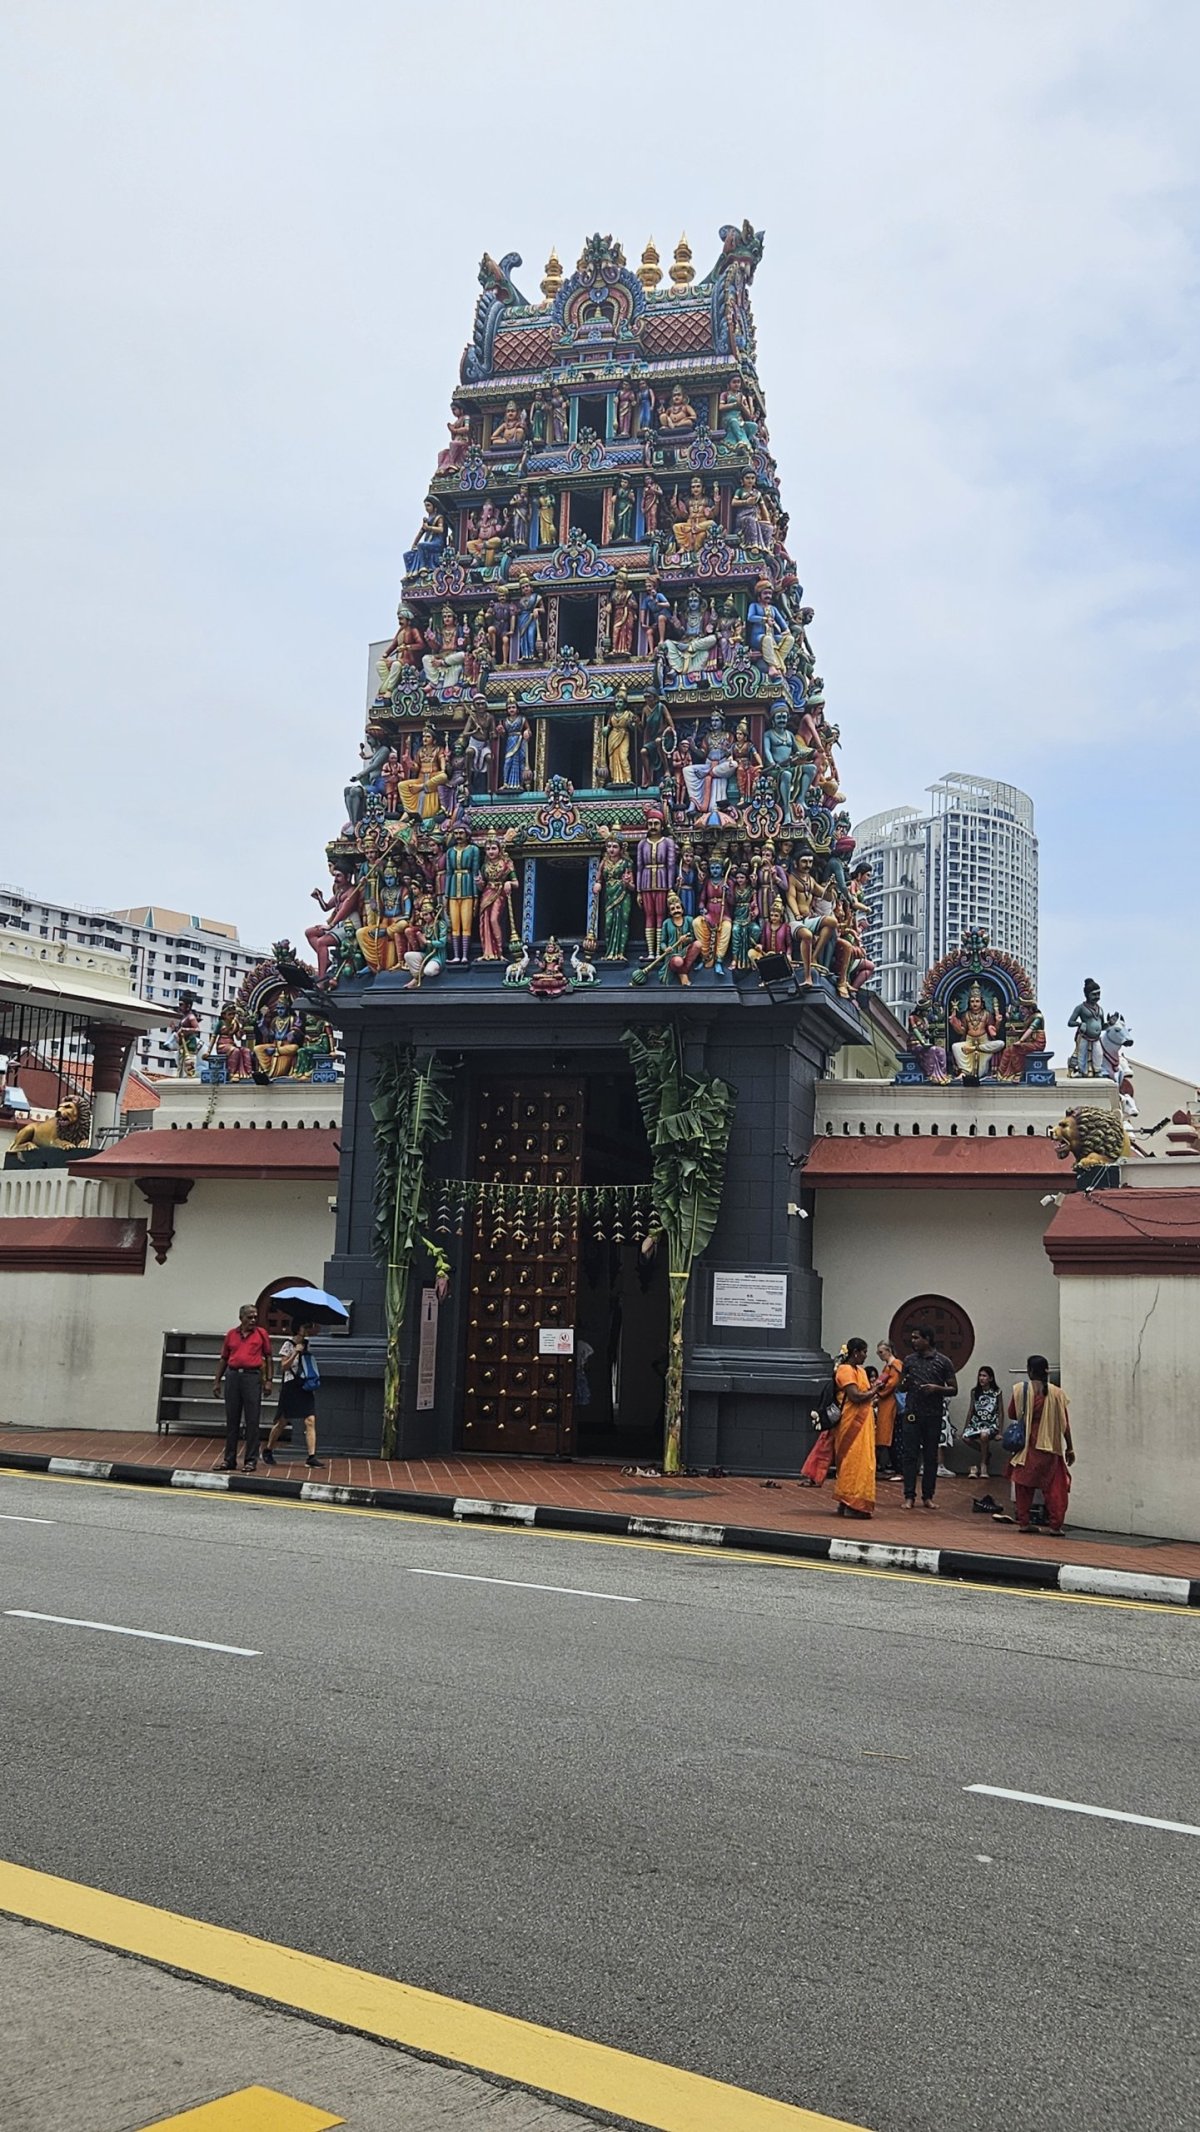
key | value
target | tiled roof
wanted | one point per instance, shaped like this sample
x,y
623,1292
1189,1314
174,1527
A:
x,y
1131,1232
265,1152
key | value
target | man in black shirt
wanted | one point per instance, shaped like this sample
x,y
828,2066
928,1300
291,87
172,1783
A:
x,y
927,1381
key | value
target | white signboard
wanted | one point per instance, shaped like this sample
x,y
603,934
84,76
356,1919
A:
x,y
754,1299
427,1351
556,1339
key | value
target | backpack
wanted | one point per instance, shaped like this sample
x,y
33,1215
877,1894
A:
x,y
829,1406
307,1372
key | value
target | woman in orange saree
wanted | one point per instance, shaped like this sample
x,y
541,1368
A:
x,y
854,1446
890,1367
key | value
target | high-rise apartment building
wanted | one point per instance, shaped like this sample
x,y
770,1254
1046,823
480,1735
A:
x,y
970,861
169,952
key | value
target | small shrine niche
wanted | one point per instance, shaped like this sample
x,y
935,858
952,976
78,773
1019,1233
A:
x,y
976,1022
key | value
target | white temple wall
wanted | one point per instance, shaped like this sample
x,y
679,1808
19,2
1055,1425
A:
x,y
83,1350
877,1249
1129,1372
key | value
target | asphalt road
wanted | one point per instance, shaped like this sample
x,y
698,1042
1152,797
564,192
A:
x,y
724,1825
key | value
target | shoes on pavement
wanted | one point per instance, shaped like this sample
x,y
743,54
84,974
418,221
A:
x,y
314,1461
910,1502
945,1473
251,1466
229,1465
898,1478
927,1503
984,1503
268,1455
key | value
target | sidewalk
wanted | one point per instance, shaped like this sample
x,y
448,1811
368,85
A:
x,y
734,1511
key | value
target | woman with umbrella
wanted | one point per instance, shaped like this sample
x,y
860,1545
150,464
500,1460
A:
x,y
309,1308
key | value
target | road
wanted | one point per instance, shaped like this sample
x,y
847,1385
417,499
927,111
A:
x,y
710,1811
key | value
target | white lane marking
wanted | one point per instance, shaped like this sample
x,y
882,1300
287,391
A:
x,y
567,1591
112,1628
13,1517
1074,1806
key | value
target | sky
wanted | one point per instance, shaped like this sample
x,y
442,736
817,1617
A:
x,y
238,258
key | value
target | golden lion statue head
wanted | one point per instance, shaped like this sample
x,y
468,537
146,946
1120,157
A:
x,y
1090,1137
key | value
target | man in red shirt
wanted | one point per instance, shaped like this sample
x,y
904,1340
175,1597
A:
x,y
245,1365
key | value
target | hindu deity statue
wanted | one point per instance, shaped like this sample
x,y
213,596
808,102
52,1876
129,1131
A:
x,y
747,758
421,794
429,540
751,526
316,1045
655,614
927,1041
977,1030
549,980
735,414
185,1032
373,753
790,764
623,617
627,401
547,519
1024,1035
713,924
443,666
612,903
501,623
529,608
657,859
229,1043
619,730
459,426
1087,1020
519,510
767,632
496,923
744,929
811,910
404,653
479,733
278,1039
695,517
657,741
464,864
559,416
708,781
624,512
678,412
509,430
539,421
516,773
486,544
652,497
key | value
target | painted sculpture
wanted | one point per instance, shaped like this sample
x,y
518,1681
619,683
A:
x,y
1095,1141
50,1143
976,1020
602,651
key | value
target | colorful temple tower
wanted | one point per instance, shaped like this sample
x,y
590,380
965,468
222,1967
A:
x,y
594,926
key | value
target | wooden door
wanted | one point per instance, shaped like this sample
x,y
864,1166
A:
x,y
523,1271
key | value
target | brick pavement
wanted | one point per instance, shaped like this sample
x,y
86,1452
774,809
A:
x,y
732,1499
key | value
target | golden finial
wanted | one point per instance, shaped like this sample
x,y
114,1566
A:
x,y
552,278
682,270
650,273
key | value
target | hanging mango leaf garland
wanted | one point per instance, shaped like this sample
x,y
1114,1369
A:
x,y
411,1108
687,1119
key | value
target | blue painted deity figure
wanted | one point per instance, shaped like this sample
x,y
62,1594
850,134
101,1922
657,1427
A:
x,y
767,632
528,608
792,767
430,542
734,410
514,773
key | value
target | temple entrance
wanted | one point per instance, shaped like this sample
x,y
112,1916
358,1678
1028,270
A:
x,y
566,1334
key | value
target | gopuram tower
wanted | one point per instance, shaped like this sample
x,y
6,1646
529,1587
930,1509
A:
x,y
594,926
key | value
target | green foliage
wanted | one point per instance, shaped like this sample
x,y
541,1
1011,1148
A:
x,y
688,1121
411,1109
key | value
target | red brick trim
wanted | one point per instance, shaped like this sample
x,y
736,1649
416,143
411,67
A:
x,y
1126,1233
72,1244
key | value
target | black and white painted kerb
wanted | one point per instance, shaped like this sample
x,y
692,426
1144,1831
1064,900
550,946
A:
x,y
1028,1570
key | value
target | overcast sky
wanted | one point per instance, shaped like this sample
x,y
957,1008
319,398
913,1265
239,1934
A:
x,y
239,262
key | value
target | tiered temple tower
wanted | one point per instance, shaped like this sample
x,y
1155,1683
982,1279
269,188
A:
x,y
598,792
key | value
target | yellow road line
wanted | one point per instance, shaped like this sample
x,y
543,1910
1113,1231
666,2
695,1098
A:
x,y
491,1529
249,2110
662,2097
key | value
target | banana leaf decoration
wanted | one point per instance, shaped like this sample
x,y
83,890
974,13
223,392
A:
x,y
411,1109
687,1119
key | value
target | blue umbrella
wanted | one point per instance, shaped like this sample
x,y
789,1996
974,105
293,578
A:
x,y
311,1306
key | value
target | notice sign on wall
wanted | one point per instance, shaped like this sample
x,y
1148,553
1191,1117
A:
x,y
754,1299
556,1339
427,1351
